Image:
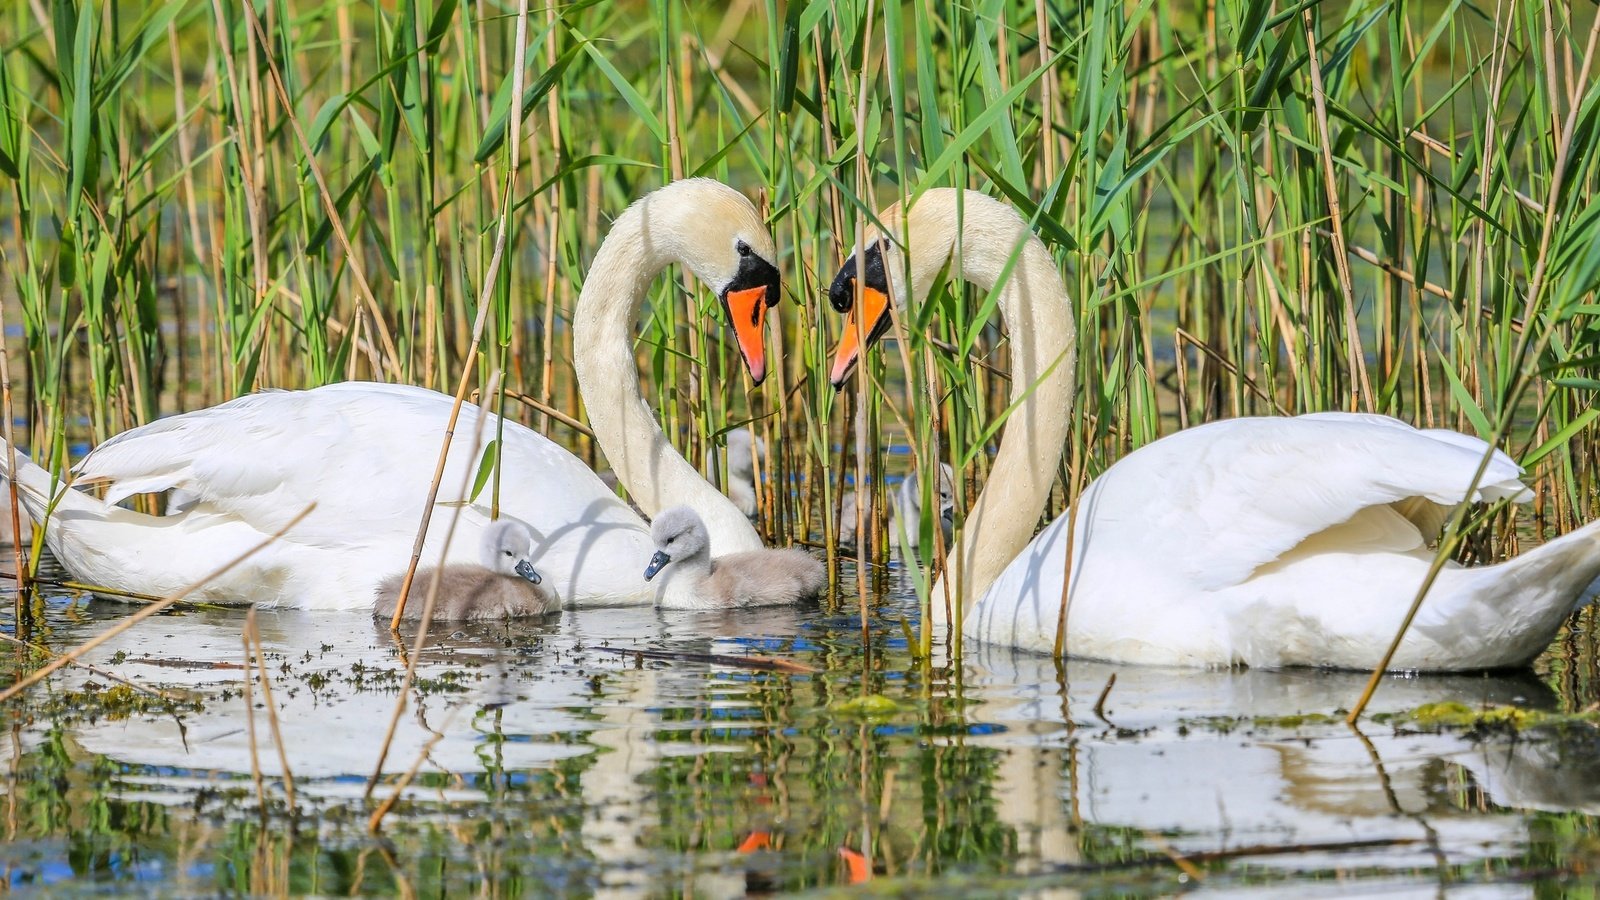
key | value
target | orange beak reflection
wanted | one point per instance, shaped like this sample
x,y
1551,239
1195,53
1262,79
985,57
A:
x,y
747,310
865,322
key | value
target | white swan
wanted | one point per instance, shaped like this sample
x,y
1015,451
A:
x,y
503,585
1260,541
365,454
731,580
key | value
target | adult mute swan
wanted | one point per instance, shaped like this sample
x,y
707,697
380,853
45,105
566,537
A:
x,y
1258,541
365,454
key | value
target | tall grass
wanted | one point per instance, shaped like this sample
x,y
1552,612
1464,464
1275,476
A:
x,y
1260,207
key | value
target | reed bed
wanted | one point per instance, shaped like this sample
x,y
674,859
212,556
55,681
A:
x,y
1260,207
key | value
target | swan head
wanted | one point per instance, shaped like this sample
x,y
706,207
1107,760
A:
x,y
877,270
679,534
718,234
507,548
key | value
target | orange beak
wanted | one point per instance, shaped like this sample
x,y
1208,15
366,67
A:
x,y
747,310
865,322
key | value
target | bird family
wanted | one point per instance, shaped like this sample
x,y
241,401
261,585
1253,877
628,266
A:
x,y
1274,541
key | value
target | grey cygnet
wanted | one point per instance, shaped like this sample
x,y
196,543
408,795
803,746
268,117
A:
x,y
753,578
503,585
741,469
907,508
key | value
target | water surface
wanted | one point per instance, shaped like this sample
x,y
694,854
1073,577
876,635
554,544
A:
x,y
547,762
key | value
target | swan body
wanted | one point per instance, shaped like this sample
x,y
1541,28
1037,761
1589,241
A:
x,y
905,513
1286,542
734,580
504,584
1259,541
365,453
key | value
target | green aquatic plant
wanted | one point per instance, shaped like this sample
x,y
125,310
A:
x,y
1452,714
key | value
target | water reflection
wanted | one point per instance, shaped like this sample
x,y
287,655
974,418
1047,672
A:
x,y
546,760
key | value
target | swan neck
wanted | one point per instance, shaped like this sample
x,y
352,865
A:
x,y
643,241
1039,321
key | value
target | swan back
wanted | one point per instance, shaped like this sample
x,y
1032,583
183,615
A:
x,y
1222,500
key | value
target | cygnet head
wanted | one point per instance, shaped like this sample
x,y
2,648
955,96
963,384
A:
x,y
679,535
507,550
911,490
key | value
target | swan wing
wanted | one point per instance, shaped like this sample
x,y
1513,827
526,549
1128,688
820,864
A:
x,y
365,453
1220,501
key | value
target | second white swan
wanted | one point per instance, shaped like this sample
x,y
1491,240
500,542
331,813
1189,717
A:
x,y
365,453
1258,541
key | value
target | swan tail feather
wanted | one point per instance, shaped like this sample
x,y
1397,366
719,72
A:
x,y
39,491
1506,614
1562,570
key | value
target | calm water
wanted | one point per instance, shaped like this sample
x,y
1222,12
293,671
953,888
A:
x,y
549,764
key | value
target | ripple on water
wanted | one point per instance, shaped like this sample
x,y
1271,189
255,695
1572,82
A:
x,y
548,763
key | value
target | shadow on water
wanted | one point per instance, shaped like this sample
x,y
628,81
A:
x,y
553,764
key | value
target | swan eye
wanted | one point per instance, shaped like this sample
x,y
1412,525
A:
x,y
743,248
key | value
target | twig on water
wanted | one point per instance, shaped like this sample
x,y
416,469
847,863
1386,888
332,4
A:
x,y
424,621
1100,704
1211,856
376,820
1185,864
760,663
73,654
250,716
253,636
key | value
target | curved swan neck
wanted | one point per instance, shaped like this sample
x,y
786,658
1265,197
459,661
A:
x,y
651,234
1038,316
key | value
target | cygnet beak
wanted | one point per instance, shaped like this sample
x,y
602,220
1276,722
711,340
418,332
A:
x,y
526,570
656,564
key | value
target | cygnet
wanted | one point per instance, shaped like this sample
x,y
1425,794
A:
x,y
907,508
753,578
741,469
503,586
